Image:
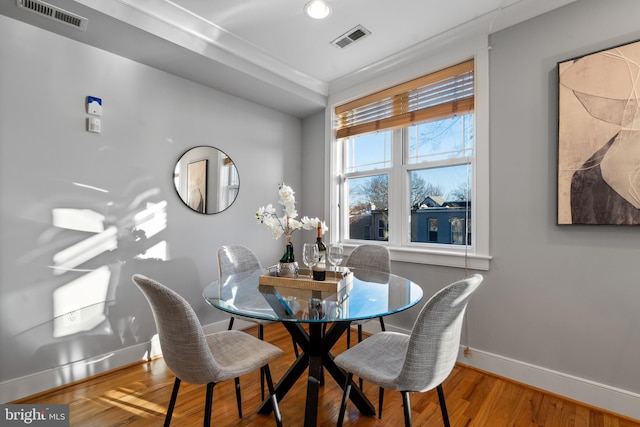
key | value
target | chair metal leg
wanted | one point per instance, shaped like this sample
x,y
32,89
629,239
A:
x,y
172,402
406,402
443,406
382,324
230,324
380,400
208,405
272,394
349,337
261,337
361,383
345,399
261,384
238,396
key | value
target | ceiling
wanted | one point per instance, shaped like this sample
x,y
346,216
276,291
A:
x,y
269,51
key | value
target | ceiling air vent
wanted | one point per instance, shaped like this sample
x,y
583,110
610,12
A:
x,y
53,12
351,37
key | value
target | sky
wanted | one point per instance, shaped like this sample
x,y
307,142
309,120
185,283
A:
x,y
440,141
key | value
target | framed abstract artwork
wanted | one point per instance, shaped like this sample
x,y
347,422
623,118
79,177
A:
x,y
197,186
599,137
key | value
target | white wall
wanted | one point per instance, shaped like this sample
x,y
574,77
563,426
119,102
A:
x,y
149,119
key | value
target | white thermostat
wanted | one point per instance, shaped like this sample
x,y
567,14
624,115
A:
x,y
93,124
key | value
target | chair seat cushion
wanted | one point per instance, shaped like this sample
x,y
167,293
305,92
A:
x,y
377,359
239,353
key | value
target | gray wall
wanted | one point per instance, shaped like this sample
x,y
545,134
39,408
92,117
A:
x,y
564,298
311,195
568,294
149,119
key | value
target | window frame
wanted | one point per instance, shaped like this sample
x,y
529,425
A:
x,y
475,256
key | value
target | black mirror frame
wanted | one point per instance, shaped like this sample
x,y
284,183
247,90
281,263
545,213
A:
x,y
205,163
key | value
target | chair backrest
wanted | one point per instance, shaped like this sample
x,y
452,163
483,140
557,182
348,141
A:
x,y
184,346
435,337
234,259
372,257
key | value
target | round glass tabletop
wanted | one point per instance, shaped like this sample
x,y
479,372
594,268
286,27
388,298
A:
x,y
366,294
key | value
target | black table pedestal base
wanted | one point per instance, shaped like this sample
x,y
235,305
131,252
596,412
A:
x,y
316,355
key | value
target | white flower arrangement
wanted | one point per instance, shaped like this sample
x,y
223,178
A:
x,y
288,223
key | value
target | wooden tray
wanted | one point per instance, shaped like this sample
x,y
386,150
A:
x,y
335,281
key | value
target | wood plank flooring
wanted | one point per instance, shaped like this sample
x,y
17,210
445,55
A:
x,y
138,395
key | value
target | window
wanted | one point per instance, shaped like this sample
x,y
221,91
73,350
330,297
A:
x,y
405,162
457,231
382,229
433,229
229,180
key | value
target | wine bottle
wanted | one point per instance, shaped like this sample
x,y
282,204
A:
x,y
319,270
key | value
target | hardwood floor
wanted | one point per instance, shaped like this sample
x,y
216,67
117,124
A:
x,y
138,395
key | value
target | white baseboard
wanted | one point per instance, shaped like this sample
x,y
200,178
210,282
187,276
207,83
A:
x,y
595,394
599,395
28,385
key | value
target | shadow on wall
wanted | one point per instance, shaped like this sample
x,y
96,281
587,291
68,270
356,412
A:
x,y
93,332
76,301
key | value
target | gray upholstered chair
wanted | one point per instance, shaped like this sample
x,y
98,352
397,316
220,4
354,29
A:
x,y
368,257
237,260
199,359
417,362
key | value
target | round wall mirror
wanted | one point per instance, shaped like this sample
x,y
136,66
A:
x,y
206,179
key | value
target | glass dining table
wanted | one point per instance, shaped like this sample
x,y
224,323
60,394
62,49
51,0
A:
x,y
365,295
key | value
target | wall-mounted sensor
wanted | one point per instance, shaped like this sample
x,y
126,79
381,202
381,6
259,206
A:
x,y
93,124
94,105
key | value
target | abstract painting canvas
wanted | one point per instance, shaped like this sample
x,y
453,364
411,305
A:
x,y
599,137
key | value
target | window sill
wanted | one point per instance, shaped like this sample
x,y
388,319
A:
x,y
457,259
440,257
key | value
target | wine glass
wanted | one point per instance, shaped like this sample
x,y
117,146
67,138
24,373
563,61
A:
x,y
335,255
310,256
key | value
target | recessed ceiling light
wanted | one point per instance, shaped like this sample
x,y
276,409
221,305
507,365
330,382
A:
x,y
317,9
